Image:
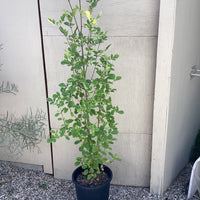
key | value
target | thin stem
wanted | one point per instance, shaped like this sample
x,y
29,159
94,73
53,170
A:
x,y
95,66
74,16
81,20
93,73
99,119
81,33
82,52
63,119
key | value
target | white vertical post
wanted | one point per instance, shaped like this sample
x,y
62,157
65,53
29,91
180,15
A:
x,y
162,93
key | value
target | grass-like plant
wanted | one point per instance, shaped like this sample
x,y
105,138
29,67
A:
x,y
7,87
19,133
84,101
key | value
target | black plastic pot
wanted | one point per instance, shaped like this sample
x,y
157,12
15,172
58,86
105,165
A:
x,y
100,192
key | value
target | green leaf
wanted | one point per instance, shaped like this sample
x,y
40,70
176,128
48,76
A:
x,y
81,94
83,73
94,149
92,112
118,78
99,15
111,76
81,148
79,159
49,140
71,113
71,104
91,170
52,131
120,112
89,176
69,121
84,166
116,56
85,172
62,85
52,20
108,107
63,17
63,31
66,137
65,110
118,159
105,145
85,116
69,18
57,114
49,100
108,47
74,12
67,23
77,163
64,62
77,141
110,154
104,153
115,132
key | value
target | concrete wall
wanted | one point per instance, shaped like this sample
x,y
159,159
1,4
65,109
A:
x,y
176,107
132,29
21,59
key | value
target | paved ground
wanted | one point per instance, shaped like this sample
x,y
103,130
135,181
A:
x,y
23,184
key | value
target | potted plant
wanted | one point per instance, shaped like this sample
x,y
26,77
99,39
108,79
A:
x,y
84,101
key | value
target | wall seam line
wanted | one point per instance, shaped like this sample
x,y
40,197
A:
x,y
46,85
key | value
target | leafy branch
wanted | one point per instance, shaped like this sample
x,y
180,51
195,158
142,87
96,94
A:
x,y
84,101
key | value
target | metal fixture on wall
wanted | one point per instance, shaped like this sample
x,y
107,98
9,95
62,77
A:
x,y
195,72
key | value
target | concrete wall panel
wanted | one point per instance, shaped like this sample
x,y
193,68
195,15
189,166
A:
x,y
132,30
136,65
126,18
133,170
21,59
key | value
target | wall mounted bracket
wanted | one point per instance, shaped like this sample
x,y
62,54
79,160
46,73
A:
x,y
195,72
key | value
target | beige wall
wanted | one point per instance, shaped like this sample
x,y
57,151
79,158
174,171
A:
x,y
176,108
21,60
132,29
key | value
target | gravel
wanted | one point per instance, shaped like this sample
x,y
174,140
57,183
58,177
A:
x,y
26,184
